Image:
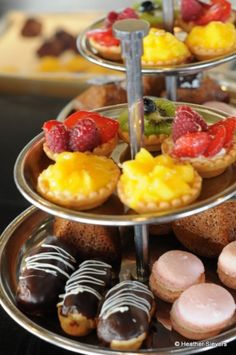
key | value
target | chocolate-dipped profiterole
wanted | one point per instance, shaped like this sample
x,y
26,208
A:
x,y
44,275
125,316
83,291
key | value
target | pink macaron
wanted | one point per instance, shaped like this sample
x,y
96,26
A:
x,y
203,311
226,268
174,272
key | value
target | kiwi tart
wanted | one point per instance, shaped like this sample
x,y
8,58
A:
x,y
158,117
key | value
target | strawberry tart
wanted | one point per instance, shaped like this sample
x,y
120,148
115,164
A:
x,y
211,149
81,132
197,13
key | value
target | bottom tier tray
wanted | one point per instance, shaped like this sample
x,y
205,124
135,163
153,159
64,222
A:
x,y
33,225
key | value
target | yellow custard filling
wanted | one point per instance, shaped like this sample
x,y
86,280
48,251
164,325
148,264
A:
x,y
78,173
215,35
163,46
153,179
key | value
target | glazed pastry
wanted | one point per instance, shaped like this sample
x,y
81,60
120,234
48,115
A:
x,y
44,275
194,12
227,265
90,241
82,131
78,180
211,41
158,184
203,311
174,272
208,232
158,117
83,291
150,11
102,40
125,316
163,49
210,149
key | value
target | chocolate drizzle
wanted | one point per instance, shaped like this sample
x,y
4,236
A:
x,y
44,275
125,313
85,287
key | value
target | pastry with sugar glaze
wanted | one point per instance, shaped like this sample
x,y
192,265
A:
x,y
83,291
125,316
44,275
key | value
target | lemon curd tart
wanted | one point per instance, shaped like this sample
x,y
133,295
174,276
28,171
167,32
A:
x,y
163,48
79,180
153,184
213,40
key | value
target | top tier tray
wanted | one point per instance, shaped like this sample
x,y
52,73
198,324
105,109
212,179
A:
x,y
32,160
188,68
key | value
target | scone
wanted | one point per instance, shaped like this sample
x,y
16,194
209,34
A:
x,y
158,184
210,149
211,41
78,180
161,48
158,117
82,131
208,232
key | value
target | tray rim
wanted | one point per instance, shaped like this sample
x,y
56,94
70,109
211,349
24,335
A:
x,y
111,220
189,68
74,345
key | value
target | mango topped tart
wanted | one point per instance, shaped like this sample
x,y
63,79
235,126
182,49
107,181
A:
x,y
163,48
79,180
212,40
153,184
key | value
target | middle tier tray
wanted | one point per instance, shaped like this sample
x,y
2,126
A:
x,y
32,160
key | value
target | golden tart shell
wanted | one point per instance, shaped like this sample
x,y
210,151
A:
x,y
111,52
152,143
170,62
202,53
208,167
79,201
162,206
104,149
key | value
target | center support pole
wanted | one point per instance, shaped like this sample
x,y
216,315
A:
x,y
131,33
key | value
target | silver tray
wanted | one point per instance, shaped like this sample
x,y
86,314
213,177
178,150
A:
x,y
32,160
90,54
32,226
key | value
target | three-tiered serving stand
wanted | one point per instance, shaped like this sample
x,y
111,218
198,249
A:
x,y
32,225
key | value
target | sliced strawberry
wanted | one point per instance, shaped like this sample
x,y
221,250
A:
x,y
191,10
219,10
217,135
47,126
187,120
230,126
104,37
191,145
108,127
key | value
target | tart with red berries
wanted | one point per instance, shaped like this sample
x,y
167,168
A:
x,y
102,40
211,149
197,13
81,132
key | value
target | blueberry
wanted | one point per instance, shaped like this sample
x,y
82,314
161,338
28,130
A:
x,y
149,105
146,6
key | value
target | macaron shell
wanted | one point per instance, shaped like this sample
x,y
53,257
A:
x,y
227,265
204,308
178,270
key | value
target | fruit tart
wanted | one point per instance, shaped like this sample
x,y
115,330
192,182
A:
x,y
83,132
162,48
198,13
212,40
158,117
102,40
211,149
78,180
150,11
155,184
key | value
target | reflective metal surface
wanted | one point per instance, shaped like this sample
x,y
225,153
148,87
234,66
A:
x,y
32,160
188,68
27,230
